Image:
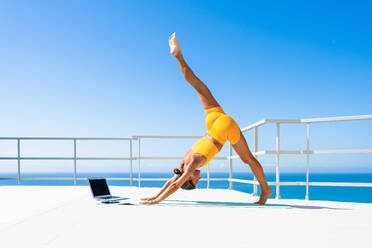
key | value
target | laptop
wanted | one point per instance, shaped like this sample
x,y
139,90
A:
x,y
101,191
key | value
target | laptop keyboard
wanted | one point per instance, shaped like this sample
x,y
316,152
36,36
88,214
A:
x,y
109,197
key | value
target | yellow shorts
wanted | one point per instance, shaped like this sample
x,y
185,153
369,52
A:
x,y
222,128
205,147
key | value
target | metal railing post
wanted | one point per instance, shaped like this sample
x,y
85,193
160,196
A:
x,y
19,160
139,162
277,161
208,177
230,177
131,165
255,155
75,162
307,159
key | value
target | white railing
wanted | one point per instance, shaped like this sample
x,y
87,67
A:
x,y
74,158
230,158
307,152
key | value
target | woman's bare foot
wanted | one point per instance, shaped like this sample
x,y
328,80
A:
x,y
264,196
173,45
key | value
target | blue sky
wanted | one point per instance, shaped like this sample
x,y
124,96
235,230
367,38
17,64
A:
x,y
103,68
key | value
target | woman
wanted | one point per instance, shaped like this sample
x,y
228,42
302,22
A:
x,y
220,128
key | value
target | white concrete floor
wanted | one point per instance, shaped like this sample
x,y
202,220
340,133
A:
x,y
67,216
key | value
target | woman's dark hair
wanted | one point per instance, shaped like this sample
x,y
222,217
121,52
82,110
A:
x,y
177,171
188,185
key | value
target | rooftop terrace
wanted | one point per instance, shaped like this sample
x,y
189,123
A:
x,y
67,216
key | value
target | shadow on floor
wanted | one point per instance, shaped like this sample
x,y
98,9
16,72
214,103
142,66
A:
x,y
185,203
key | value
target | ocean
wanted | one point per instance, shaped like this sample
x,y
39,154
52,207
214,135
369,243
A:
x,y
345,194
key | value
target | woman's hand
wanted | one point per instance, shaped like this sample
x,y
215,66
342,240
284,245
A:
x,y
149,202
156,198
148,198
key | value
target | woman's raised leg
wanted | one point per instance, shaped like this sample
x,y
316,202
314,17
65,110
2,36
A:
x,y
205,95
242,149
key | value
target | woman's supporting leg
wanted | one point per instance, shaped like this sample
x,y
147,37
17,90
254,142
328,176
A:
x,y
205,95
242,149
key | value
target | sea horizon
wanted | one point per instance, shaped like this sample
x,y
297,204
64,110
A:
x,y
325,193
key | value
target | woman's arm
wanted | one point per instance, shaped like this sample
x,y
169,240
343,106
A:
x,y
165,186
173,179
173,187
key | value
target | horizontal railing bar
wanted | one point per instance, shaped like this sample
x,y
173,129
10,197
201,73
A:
x,y
103,138
105,158
60,178
166,137
256,124
161,158
331,184
341,184
176,158
150,179
340,118
67,158
36,158
263,152
283,152
289,183
117,178
99,158
267,121
341,151
61,138
288,121
47,178
236,180
233,157
214,179
107,178
164,179
309,120
336,151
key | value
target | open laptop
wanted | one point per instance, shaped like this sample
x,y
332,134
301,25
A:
x,y
101,191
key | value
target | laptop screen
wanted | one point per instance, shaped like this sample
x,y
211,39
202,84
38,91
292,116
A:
x,y
99,186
